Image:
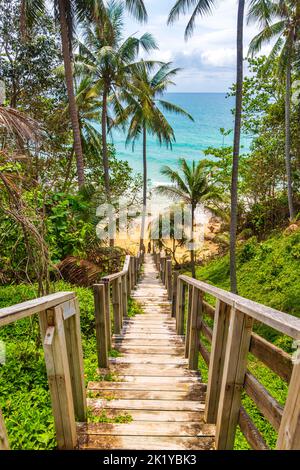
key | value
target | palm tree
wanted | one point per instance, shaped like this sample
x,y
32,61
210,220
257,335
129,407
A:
x,y
203,7
109,60
189,186
144,99
279,20
236,144
67,13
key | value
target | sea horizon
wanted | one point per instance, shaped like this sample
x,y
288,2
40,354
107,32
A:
x,y
211,112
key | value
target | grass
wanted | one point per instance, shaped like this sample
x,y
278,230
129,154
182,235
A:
x,y
24,394
268,273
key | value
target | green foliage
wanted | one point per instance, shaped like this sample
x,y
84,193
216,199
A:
x,y
134,308
24,395
268,273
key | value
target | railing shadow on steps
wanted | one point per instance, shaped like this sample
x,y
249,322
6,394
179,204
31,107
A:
x,y
231,340
59,320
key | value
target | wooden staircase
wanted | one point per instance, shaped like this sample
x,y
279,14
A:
x,y
161,400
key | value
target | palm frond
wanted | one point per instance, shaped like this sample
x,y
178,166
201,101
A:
x,y
20,125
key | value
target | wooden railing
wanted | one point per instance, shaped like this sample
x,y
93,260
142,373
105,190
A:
x,y
114,290
232,339
59,319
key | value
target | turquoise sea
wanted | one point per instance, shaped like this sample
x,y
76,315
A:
x,y
211,111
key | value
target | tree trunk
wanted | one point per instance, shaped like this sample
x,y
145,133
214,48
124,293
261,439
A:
x,y
288,140
192,252
105,161
142,239
236,145
70,90
104,146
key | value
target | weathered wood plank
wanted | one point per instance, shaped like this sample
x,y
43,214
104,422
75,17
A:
x,y
273,357
217,358
289,431
94,442
148,429
234,370
25,309
264,401
287,324
101,327
4,445
250,431
151,385
163,405
119,394
151,415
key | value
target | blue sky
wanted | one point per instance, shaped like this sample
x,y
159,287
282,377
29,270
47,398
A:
x,y
208,58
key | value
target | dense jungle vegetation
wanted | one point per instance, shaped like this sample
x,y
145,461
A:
x,y
63,94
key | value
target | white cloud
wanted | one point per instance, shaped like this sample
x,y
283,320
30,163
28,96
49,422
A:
x,y
208,58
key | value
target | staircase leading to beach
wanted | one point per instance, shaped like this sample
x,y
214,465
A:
x,y
152,396
162,399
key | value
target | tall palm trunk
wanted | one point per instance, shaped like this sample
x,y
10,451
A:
x,y
104,145
288,139
145,177
236,145
65,41
105,161
192,251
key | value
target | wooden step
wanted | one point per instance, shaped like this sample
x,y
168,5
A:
x,y
96,442
147,385
147,395
148,429
150,415
161,405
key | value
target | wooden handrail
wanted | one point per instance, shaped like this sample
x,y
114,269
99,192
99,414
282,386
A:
x,y
26,309
116,289
59,320
231,340
280,321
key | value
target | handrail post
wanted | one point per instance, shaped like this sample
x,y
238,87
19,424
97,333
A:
x,y
101,329
289,431
125,295
169,279
59,379
235,366
216,365
4,445
162,268
107,314
75,355
174,293
136,261
120,284
132,260
158,262
116,306
180,307
196,316
188,320
129,277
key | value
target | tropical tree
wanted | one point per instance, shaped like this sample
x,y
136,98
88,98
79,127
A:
x,y
203,7
109,59
280,20
145,108
67,14
189,186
